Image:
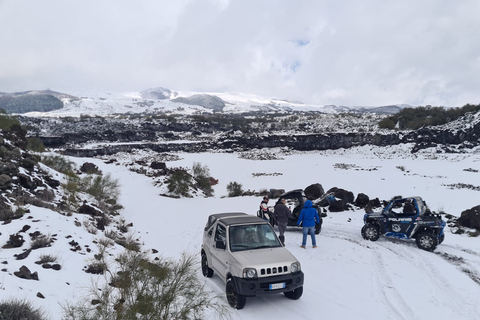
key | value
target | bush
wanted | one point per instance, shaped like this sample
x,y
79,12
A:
x,y
59,164
41,242
200,171
414,118
179,183
144,289
6,122
234,189
102,188
386,123
201,174
35,144
19,309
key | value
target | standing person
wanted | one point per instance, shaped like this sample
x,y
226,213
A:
x,y
308,217
263,211
282,214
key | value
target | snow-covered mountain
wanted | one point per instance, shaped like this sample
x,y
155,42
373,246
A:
x,y
155,100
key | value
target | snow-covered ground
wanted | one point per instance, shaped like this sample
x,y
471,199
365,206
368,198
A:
x,y
345,277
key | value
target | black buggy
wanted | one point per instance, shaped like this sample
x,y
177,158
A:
x,y
406,218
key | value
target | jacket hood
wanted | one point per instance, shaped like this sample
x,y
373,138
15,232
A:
x,y
308,204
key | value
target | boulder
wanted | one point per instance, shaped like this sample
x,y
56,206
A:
x,y
158,165
5,181
362,200
25,273
314,191
91,211
346,196
275,193
89,168
470,218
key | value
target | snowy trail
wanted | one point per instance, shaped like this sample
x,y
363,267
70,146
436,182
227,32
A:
x,y
345,277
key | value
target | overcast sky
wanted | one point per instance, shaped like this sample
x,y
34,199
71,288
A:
x,y
343,52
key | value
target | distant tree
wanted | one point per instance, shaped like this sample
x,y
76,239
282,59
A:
x,y
386,123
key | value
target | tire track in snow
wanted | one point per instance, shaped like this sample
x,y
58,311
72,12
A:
x,y
391,299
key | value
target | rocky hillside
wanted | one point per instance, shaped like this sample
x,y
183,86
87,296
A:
x,y
89,136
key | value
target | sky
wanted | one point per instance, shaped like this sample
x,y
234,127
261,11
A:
x,y
342,52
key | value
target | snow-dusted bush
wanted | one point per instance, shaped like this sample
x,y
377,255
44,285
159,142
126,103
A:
x,y
138,288
20,309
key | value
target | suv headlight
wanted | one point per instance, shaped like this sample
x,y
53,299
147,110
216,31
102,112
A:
x,y
249,273
295,267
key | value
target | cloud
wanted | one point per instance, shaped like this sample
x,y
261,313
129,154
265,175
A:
x,y
325,52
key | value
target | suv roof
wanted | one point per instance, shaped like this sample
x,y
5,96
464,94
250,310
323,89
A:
x,y
231,218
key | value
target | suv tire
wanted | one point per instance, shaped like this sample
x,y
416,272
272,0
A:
x,y
294,294
206,270
427,241
234,299
370,232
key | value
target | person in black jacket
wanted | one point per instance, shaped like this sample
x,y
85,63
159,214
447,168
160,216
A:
x,y
263,211
282,214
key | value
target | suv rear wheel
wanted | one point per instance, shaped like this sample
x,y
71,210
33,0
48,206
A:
x,y
234,299
206,270
427,241
370,232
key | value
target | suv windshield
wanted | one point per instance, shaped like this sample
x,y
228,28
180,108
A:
x,y
252,236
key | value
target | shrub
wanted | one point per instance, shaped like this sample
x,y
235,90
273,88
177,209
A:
x,y
386,123
60,164
35,144
234,189
41,242
205,185
144,289
179,183
101,188
47,258
20,309
201,174
6,122
200,171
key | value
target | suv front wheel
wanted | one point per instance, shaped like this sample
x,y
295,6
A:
x,y
370,232
295,294
235,300
427,241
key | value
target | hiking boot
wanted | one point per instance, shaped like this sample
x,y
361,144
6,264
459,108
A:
x,y
303,247
314,246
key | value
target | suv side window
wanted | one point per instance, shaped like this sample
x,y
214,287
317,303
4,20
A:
x,y
220,233
210,232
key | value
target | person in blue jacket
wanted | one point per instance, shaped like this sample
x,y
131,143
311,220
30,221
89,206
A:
x,y
308,217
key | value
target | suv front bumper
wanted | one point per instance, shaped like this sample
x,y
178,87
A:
x,y
259,286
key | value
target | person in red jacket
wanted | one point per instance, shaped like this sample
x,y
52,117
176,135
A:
x,y
307,218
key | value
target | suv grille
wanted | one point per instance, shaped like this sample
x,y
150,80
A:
x,y
273,270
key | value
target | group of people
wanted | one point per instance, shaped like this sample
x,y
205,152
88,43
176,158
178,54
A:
x,y
307,218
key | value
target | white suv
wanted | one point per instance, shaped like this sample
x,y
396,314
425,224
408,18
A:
x,y
246,253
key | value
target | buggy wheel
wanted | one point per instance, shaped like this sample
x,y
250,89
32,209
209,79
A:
x,y
370,232
441,238
206,270
318,227
427,241
295,294
234,299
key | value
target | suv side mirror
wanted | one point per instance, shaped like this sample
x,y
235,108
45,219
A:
x,y
220,244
